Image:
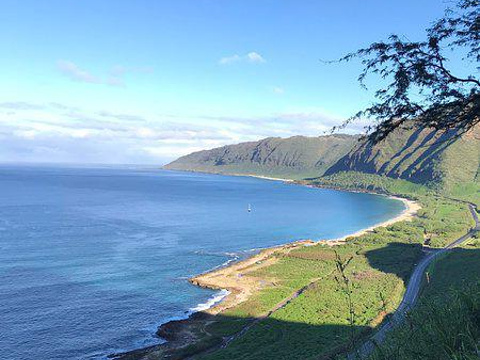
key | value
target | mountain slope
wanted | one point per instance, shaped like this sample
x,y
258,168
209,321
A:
x,y
439,159
424,156
295,157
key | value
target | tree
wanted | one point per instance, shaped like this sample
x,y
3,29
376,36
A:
x,y
420,86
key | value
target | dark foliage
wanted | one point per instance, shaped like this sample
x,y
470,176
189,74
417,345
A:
x,y
419,83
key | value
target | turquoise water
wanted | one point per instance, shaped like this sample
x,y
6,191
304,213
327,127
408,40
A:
x,y
92,260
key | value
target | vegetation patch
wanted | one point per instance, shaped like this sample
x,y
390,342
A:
x,y
446,323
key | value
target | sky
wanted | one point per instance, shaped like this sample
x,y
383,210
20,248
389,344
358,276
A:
x,y
146,81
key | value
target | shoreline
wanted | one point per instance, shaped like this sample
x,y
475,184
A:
x,y
411,209
234,277
233,283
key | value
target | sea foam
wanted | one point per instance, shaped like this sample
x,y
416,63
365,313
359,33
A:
x,y
211,302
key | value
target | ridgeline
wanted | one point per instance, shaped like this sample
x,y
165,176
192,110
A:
x,y
296,157
437,159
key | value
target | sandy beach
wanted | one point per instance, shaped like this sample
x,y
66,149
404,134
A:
x,y
268,178
237,279
411,209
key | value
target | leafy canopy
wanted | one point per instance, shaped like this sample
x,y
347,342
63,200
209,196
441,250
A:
x,y
418,82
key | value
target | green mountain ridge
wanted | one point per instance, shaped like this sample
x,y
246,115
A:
x,y
430,157
296,157
424,156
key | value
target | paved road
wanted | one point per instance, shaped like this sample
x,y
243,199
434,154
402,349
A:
x,y
411,294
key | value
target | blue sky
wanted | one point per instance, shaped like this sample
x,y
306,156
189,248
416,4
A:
x,y
146,81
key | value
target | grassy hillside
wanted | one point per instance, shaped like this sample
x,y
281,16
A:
x,y
445,161
437,159
295,158
446,323
434,206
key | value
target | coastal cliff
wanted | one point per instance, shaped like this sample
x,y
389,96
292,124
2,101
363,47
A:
x,y
438,159
294,158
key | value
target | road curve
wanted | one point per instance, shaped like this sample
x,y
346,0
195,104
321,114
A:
x,y
412,292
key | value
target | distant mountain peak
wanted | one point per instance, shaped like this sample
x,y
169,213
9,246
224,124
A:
x,y
294,157
431,157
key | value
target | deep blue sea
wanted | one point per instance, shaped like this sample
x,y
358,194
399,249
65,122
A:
x,y
92,260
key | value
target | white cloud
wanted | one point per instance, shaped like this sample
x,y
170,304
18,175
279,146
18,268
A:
x,y
309,122
75,73
230,59
123,117
114,77
118,70
25,134
58,134
115,81
166,151
61,133
252,57
20,105
255,57
278,90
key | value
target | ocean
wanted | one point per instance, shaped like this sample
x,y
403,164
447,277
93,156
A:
x,y
92,260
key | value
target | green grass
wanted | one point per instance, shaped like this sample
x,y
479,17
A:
x,y
440,219
467,192
359,181
423,156
317,321
446,323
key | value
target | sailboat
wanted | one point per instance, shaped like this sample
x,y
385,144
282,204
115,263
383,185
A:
x,y
249,209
